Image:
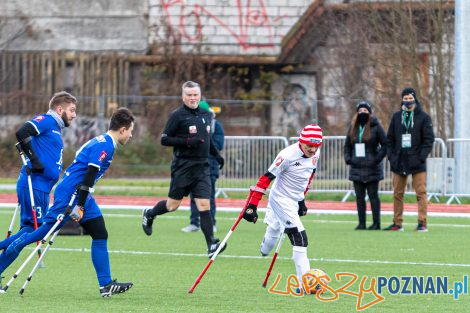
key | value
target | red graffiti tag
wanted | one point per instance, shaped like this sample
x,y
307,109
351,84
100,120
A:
x,y
248,17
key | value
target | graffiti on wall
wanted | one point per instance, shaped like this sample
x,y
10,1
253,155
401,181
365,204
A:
x,y
251,15
296,110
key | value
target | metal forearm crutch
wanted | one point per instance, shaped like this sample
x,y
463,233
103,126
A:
x,y
279,244
201,275
38,262
60,218
31,193
13,218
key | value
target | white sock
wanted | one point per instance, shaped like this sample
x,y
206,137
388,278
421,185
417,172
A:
x,y
269,241
302,264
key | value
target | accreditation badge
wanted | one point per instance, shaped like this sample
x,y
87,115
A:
x,y
360,150
406,141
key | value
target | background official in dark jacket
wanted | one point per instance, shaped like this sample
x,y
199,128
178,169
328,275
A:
x,y
364,150
188,131
410,139
218,137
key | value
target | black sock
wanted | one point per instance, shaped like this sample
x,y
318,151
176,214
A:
x,y
159,208
206,226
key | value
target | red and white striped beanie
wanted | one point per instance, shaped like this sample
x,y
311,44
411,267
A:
x,y
311,135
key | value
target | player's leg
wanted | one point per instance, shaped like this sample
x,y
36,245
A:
x,y
299,241
286,212
26,216
13,250
272,234
93,223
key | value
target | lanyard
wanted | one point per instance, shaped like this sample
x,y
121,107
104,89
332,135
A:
x,y
410,118
361,132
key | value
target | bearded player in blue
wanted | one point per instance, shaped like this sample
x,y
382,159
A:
x,y
41,141
91,162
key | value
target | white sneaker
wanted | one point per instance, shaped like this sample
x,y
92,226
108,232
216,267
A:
x,y
190,228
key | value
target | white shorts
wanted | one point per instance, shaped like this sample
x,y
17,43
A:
x,y
283,215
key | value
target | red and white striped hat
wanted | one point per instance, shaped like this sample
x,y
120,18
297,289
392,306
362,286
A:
x,y
311,135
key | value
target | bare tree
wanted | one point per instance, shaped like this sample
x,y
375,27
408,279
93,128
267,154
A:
x,y
376,49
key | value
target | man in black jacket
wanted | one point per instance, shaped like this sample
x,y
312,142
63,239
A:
x,y
188,131
409,141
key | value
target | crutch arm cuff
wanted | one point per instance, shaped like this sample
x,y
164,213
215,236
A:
x,y
86,186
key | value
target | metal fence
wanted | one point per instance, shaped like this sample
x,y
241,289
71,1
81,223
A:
x,y
457,169
248,157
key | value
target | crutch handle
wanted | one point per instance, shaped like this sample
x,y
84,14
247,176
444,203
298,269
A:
x,y
18,147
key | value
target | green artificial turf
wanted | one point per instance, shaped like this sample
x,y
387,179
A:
x,y
164,266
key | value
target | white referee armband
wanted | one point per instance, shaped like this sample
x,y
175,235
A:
x,y
258,189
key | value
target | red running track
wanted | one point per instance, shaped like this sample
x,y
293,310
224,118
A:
x,y
238,203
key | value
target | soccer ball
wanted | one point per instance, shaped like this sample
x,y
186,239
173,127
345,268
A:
x,y
320,276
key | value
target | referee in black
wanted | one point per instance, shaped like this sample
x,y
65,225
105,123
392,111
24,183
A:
x,y
188,131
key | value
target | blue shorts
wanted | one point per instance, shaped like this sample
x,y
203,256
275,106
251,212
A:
x,y
41,202
90,210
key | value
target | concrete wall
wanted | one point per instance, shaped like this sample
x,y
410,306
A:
x,y
98,25
220,27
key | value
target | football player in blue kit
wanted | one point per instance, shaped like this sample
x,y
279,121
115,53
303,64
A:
x,y
91,162
41,141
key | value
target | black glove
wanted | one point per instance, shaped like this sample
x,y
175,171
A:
x,y
194,142
36,165
302,208
250,213
220,160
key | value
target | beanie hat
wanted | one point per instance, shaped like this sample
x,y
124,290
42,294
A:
x,y
204,105
311,135
409,91
364,104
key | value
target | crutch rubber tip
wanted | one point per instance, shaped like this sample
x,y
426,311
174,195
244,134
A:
x,y
21,291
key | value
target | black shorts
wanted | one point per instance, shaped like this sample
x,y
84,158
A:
x,y
190,177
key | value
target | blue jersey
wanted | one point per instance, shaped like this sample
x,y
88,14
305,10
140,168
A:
x,y
96,152
48,146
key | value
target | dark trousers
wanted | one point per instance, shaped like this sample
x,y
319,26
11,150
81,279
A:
x,y
194,217
372,189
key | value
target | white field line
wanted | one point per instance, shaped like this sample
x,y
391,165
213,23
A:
x,y
237,209
179,217
227,256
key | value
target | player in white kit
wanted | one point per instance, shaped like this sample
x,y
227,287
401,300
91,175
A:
x,y
293,170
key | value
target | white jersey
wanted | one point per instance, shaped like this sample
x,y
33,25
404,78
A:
x,y
294,173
